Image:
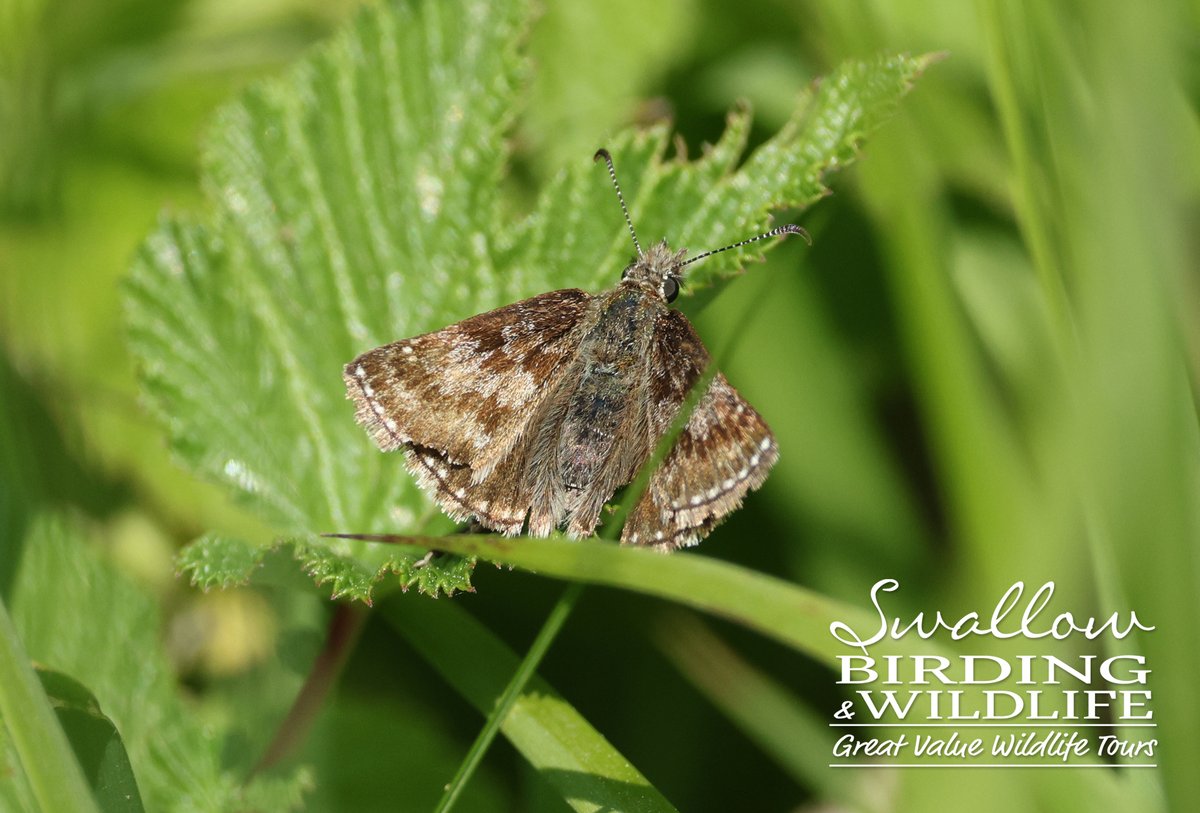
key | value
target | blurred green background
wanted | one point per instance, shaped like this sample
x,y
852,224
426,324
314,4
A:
x,y
983,371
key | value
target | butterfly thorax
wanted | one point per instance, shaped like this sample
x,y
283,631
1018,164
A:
x,y
611,370
612,366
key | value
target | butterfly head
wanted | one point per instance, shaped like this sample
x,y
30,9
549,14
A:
x,y
660,270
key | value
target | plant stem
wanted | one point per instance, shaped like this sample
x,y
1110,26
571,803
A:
x,y
344,627
516,685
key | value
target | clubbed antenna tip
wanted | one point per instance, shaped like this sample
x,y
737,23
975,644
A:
x,y
792,228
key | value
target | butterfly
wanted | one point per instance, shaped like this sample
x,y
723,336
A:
x,y
527,418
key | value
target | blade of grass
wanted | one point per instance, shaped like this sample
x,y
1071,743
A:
x,y
1109,189
552,736
1029,200
516,685
796,617
46,756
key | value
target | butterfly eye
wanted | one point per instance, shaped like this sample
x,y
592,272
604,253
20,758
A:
x,y
670,289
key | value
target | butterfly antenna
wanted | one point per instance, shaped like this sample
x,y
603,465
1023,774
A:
x,y
790,228
612,173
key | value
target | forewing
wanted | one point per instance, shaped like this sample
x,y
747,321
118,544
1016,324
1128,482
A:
x,y
466,392
725,450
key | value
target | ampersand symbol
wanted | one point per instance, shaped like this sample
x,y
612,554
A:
x,y
844,713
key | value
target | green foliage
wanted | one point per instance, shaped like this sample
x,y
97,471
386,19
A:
x,y
985,371
790,732
356,202
558,741
243,325
43,772
796,617
175,758
95,741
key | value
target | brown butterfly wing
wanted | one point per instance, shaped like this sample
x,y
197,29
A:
x,y
459,399
497,502
725,450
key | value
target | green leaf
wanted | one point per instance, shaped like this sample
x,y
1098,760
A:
x,y
95,741
46,774
352,199
15,791
707,203
220,561
79,618
561,745
355,201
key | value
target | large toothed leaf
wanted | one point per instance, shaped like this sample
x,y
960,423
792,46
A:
x,y
718,199
354,202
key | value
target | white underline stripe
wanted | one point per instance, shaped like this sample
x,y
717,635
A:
x,y
993,725
980,765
